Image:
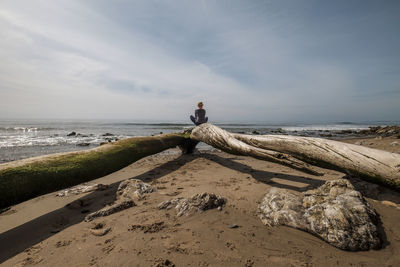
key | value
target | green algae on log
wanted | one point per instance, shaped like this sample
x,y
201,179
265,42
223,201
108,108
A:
x,y
28,178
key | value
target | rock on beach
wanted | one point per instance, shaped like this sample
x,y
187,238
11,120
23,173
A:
x,y
335,212
198,202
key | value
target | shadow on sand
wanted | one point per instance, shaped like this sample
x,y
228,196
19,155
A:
x,y
20,238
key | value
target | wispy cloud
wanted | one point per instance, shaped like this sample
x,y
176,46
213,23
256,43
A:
x,y
258,60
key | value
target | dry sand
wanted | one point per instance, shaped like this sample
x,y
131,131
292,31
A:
x,y
50,231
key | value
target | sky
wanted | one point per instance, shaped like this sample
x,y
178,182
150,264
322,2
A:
x,y
248,61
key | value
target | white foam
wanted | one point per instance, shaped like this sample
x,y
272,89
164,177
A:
x,y
31,139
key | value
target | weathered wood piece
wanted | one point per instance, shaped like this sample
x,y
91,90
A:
x,y
196,203
335,212
80,189
116,207
128,191
219,138
371,164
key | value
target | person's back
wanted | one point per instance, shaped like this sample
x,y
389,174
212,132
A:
x,y
200,115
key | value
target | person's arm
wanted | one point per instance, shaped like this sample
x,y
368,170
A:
x,y
196,115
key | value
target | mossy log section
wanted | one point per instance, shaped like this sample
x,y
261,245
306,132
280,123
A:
x,y
374,165
28,178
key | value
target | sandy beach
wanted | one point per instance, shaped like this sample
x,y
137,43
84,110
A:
x,y
199,133
50,230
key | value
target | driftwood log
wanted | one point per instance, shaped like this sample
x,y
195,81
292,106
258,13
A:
x,y
297,152
24,179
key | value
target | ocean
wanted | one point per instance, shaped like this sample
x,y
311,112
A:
x,y
28,138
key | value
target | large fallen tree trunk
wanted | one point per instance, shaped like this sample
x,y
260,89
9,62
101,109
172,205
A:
x,y
371,164
25,179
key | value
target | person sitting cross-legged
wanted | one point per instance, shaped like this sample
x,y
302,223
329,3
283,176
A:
x,y
199,115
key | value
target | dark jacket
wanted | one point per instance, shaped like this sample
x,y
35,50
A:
x,y
200,115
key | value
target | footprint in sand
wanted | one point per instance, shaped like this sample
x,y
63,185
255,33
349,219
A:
x,y
33,250
33,257
63,243
163,263
230,245
108,248
149,228
31,261
93,261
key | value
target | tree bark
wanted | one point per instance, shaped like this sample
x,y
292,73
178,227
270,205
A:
x,y
371,164
25,179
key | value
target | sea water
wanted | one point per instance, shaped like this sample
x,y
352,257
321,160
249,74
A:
x,y
27,138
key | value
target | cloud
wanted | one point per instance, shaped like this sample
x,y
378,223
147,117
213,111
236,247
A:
x,y
263,61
